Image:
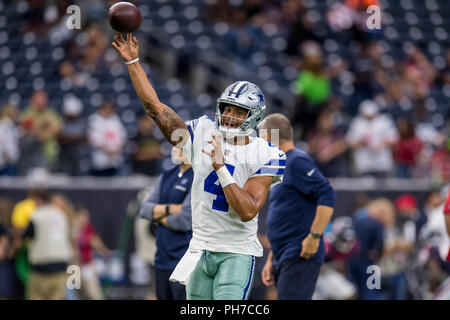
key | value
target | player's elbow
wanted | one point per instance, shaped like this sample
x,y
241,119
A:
x,y
247,215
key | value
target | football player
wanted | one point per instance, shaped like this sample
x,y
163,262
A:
x,y
233,173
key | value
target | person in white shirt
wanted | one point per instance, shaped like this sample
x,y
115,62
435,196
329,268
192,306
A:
x,y
9,141
107,137
371,136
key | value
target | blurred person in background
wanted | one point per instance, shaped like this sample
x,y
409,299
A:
x,y
9,282
41,126
436,224
88,242
370,233
9,140
21,215
67,71
419,74
447,219
62,202
399,242
107,137
440,163
341,243
72,136
169,204
147,153
371,136
407,150
92,59
49,251
435,238
300,209
312,87
145,238
327,145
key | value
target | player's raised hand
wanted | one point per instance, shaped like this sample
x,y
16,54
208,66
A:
x,y
127,48
216,153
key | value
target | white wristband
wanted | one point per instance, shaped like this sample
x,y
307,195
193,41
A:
x,y
132,61
225,177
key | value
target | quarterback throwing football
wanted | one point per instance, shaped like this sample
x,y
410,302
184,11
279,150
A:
x,y
233,173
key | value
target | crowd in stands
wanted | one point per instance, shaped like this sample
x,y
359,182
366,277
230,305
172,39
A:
x,y
40,238
359,111
408,242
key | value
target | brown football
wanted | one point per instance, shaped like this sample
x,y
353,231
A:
x,y
124,17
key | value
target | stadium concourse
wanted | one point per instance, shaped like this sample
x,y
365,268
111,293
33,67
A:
x,y
369,106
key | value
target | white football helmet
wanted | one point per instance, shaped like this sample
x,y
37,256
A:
x,y
246,95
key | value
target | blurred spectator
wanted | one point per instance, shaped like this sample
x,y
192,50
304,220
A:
x,y
312,87
407,150
72,136
92,58
9,141
447,219
409,216
300,26
169,204
370,232
88,241
76,78
419,74
363,66
440,163
437,241
399,241
371,136
145,241
327,145
107,137
425,130
9,281
50,250
41,126
435,225
340,244
147,148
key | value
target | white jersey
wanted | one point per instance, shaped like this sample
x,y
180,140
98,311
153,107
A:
x,y
215,225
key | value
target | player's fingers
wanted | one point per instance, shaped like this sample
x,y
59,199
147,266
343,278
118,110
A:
x,y
135,40
120,37
129,37
117,40
208,153
115,46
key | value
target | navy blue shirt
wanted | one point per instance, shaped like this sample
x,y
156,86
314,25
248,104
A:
x,y
293,206
370,234
172,241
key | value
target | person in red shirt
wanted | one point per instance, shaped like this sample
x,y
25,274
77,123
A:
x,y
447,219
88,241
407,149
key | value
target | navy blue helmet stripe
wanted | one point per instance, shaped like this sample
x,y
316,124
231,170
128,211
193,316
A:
x,y
238,93
232,89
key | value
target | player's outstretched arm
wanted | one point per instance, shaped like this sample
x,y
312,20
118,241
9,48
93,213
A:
x,y
166,119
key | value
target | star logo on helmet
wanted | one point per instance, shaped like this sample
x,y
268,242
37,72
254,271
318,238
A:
x,y
260,96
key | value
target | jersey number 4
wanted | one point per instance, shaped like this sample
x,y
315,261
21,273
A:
x,y
210,186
